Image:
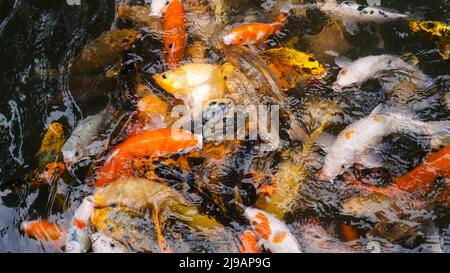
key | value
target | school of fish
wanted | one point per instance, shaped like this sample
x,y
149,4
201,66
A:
x,y
145,177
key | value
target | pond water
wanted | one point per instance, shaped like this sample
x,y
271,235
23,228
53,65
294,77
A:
x,y
39,40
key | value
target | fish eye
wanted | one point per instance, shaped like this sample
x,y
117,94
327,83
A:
x,y
430,25
164,76
77,153
125,41
110,228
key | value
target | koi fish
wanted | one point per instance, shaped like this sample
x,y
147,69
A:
x,y
354,74
422,178
160,142
273,233
355,141
77,240
80,143
254,33
174,33
290,65
51,144
104,244
194,83
44,230
351,13
435,31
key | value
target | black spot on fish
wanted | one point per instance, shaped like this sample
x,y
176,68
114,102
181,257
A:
x,y
371,12
382,13
430,25
360,8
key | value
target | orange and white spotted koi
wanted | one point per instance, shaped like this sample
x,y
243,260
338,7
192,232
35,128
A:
x,y
272,233
254,33
78,240
354,143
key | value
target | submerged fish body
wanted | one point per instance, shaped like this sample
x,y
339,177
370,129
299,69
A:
x,y
435,31
103,51
354,142
354,74
253,33
77,240
78,146
349,11
273,233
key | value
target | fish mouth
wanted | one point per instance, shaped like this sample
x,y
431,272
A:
x,y
336,87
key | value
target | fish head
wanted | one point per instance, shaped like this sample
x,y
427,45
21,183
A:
x,y
120,39
346,79
158,7
56,128
429,28
260,222
73,154
173,81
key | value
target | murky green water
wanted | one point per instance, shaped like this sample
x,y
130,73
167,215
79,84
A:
x,y
38,40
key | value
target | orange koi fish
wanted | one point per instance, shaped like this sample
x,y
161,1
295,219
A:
x,y
44,230
160,142
254,33
174,33
422,178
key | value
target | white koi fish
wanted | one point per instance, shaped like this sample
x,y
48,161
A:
x,y
354,74
351,13
272,233
360,138
80,144
104,244
77,240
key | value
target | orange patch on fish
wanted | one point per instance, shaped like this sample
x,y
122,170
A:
x,y
263,228
249,243
349,134
376,118
43,230
280,237
349,233
79,223
53,169
421,179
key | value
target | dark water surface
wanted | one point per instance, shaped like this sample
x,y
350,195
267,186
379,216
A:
x,y
39,38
